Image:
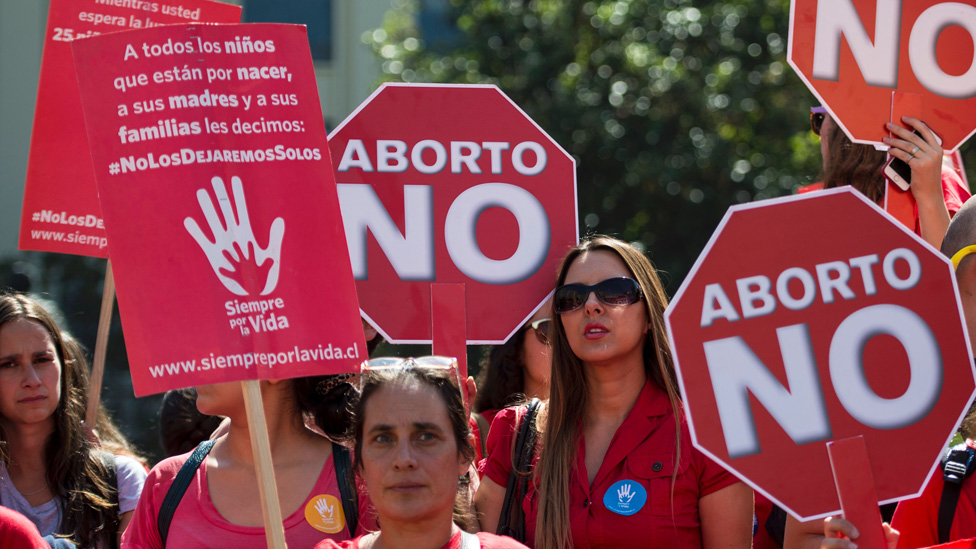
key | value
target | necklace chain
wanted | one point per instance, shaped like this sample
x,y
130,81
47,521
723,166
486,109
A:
x,y
37,492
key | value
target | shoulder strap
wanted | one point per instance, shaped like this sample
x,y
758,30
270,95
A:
x,y
511,521
347,486
176,490
469,541
112,479
957,464
111,475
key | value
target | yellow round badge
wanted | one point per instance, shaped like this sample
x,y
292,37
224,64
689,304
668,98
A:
x,y
324,513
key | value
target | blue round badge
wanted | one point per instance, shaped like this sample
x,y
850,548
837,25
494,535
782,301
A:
x,y
625,497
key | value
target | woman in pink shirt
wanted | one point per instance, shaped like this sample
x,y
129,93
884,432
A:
x,y
221,506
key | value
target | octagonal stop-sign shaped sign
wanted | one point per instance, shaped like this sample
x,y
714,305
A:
x,y
451,184
811,319
870,61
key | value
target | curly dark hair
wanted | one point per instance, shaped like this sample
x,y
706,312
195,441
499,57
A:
x,y
501,382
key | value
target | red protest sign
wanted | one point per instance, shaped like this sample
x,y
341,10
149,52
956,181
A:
x,y
60,211
853,54
817,336
220,204
452,184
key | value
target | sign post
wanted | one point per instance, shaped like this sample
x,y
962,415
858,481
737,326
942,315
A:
x,y
261,450
450,185
220,267
101,344
855,488
815,337
449,324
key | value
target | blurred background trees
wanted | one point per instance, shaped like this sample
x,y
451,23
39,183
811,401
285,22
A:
x,y
674,109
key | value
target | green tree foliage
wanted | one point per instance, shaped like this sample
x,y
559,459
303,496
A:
x,y
673,109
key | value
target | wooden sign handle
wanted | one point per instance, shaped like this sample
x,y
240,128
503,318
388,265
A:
x,y
101,344
261,450
855,489
449,323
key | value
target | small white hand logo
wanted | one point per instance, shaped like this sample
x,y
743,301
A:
x,y
236,242
624,494
325,510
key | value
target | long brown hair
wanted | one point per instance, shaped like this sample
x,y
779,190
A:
x,y
76,473
568,395
853,164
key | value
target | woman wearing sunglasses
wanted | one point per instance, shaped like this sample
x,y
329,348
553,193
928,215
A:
x,y
517,370
412,446
937,188
615,466
221,506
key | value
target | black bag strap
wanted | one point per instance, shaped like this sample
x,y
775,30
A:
x,y
347,486
176,490
112,479
511,521
957,464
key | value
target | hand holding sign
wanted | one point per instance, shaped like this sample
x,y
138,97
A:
x,y
858,56
237,241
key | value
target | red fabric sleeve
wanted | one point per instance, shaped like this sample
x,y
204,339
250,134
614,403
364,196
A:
x,y
491,541
143,532
917,519
954,191
498,465
18,532
712,477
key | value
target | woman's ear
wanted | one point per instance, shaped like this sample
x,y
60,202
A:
x,y
463,464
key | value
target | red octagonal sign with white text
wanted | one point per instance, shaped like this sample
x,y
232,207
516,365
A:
x,y
853,54
815,318
452,184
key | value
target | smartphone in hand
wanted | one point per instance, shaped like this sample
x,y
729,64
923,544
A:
x,y
899,172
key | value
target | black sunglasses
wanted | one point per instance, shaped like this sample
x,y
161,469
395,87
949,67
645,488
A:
x,y
541,329
612,291
817,115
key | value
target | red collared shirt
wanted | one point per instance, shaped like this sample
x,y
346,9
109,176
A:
x,y
639,463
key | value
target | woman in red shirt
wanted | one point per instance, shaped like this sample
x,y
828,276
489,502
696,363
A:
x,y
615,466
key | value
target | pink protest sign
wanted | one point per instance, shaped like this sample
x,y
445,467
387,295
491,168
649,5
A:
x,y
216,184
60,211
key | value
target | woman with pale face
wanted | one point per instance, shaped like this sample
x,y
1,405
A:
x,y
51,471
412,448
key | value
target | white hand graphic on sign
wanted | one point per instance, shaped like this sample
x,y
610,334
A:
x,y
325,510
234,241
624,494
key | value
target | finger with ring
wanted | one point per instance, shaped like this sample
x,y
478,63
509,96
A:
x,y
915,150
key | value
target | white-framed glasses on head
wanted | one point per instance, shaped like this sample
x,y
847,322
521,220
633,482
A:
x,y
445,363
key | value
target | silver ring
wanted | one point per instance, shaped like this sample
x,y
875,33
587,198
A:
x,y
915,150
910,158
